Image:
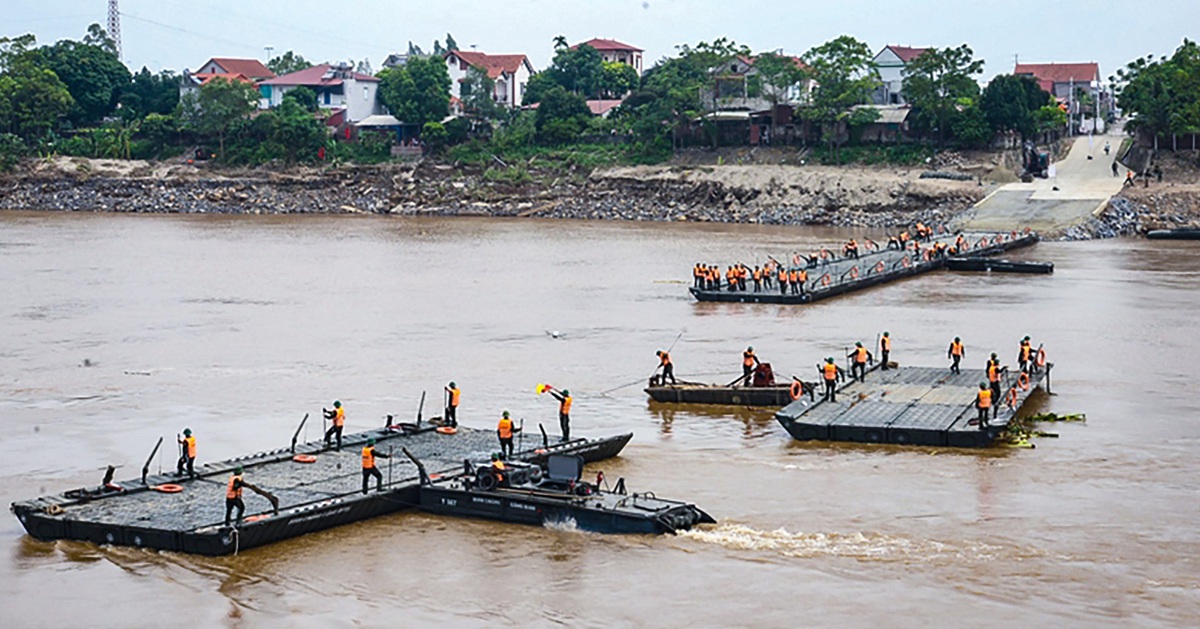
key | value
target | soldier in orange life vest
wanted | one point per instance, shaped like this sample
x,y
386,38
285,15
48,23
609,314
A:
x,y
783,281
233,496
564,412
830,373
368,465
885,350
956,353
668,368
187,457
505,430
453,394
983,401
993,376
794,280
758,277
801,280
749,362
1025,355
858,368
698,275
338,415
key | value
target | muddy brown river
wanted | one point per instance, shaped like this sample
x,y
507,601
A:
x,y
115,330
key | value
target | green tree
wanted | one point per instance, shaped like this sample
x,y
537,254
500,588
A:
x,y
1049,118
1163,95
778,75
219,105
1008,103
434,134
92,73
417,92
579,71
561,116
450,43
477,92
288,63
15,49
969,125
98,37
617,79
845,74
32,100
935,80
304,96
150,93
296,130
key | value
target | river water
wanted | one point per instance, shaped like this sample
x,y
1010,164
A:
x,y
237,326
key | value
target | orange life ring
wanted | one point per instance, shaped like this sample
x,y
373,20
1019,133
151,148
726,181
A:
x,y
1040,358
879,267
853,272
168,488
304,458
905,262
434,476
256,518
825,280
1028,230
1012,397
796,390
539,451
1013,234
1023,381
982,242
447,430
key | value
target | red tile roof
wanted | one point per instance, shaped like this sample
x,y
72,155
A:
x,y
607,44
316,76
494,64
907,54
1060,72
601,107
208,76
252,68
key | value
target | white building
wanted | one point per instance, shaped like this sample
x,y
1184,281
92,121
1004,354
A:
x,y
338,88
245,70
891,62
612,50
509,72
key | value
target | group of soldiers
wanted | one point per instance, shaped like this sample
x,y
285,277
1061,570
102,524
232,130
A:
x,y
505,430
739,277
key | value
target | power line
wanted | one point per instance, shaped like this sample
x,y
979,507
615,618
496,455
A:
x,y
184,30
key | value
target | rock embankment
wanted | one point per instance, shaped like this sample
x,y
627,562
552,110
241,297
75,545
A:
x,y
1139,210
765,194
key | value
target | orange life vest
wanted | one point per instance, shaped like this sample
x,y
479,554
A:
x,y
504,428
665,357
454,394
993,373
231,492
339,416
887,343
802,276
1026,350
794,277
956,349
860,355
191,446
783,275
985,398
564,407
830,370
368,457
747,359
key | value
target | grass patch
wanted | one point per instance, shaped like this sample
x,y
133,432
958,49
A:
x,y
892,155
566,157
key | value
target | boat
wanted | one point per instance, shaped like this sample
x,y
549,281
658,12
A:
x,y
314,487
1181,233
762,392
556,496
996,265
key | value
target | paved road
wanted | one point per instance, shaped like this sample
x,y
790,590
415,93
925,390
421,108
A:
x,y
1083,187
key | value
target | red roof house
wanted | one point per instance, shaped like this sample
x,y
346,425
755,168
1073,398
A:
x,y
612,50
1058,78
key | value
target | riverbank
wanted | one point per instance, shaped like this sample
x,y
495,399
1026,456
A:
x,y
761,193
1171,203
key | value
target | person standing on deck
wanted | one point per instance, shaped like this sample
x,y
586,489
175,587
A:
x,y
858,369
956,353
187,458
783,281
983,401
368,466
698,275
758,277
993,376
338,415
801,279
668,368
885,350
233,496
749,362
564,411
504,432
830,373
453,394
1025,355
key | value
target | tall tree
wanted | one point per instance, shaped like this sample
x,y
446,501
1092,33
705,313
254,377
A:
x,y
92,73
32,100
417,92
288,63
845,76
220,104
561,116
150,93
1008,103
779,74
935,80
478,92
1163,95
617,79
450,43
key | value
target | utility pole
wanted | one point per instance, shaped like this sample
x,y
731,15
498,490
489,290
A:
x,y
114,26
268,48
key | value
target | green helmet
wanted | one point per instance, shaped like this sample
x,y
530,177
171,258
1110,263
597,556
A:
x,y
337,403
957,340
750,349
858,344
505,413
371,441
566,393
495,457
187,432
982,385
993,354
885,333
1025,339
453,386
829,360
238,470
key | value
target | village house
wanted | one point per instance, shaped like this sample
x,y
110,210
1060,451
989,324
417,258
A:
x,y
890,62
612,50
246,70
348,94
510,73
1060,78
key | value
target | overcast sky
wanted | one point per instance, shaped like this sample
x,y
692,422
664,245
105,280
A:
x,y
177,34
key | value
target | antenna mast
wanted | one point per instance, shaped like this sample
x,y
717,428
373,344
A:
x,y
114,25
